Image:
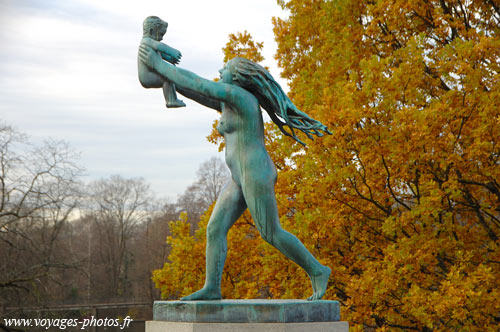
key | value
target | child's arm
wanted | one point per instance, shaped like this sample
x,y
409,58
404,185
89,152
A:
x,y
168,53
168,58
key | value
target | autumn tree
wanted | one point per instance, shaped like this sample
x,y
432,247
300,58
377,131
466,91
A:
x,y
241,44
403,200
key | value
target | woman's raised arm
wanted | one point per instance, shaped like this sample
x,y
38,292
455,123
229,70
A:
x,y
200,99
187,80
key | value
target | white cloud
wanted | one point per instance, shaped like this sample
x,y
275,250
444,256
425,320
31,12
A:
x,y
68,70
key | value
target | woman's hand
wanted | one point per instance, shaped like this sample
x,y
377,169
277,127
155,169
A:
x,y
149,56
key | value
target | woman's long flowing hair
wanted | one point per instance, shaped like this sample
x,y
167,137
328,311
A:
x,y
256,79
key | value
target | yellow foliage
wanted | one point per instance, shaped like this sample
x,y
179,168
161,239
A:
x,y
403,200
243,45
408,184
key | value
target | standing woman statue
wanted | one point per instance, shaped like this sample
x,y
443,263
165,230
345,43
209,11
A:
x,y
244,87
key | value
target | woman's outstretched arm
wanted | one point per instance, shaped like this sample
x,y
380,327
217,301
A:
x,y
203,100
187,80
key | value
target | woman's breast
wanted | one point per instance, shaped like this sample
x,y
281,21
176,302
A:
x,y
225,127
228,122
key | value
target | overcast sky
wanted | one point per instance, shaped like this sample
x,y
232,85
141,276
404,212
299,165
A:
x,y
68,70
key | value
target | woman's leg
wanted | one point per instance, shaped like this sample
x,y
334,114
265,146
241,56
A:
x,y
229,207
264,211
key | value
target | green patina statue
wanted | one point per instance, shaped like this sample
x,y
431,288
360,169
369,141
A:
x,y
245,87
154,29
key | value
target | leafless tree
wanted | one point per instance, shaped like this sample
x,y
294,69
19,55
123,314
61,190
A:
x,y
38,194
150,249
117,207
211,177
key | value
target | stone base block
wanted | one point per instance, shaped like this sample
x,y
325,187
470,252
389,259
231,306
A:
x,y
158,326
247,311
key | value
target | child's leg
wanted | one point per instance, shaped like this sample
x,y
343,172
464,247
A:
x,y
171,96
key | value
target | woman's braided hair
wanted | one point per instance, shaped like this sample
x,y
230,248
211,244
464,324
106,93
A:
x,y
256,79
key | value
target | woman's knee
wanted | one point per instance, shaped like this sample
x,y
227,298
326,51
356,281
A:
x,y
272,235
267,237
215,231
279,238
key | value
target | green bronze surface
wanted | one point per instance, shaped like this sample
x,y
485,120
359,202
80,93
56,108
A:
x,y
247,311
154,28
244,88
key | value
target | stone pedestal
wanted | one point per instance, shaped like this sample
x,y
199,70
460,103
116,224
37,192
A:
x,y
157,326
246,316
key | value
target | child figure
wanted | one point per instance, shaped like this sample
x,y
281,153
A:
x,y
154,29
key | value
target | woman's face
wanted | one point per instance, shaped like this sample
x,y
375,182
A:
x,y
225,74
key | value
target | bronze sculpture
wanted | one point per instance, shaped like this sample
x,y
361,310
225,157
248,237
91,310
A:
x,y
244,88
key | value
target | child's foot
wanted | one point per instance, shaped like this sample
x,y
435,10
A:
x,y
319,283
175,104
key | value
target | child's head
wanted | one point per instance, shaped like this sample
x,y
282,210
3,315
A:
x,y
154,27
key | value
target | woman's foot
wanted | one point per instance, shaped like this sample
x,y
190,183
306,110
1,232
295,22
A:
x,y
203,294
319,283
